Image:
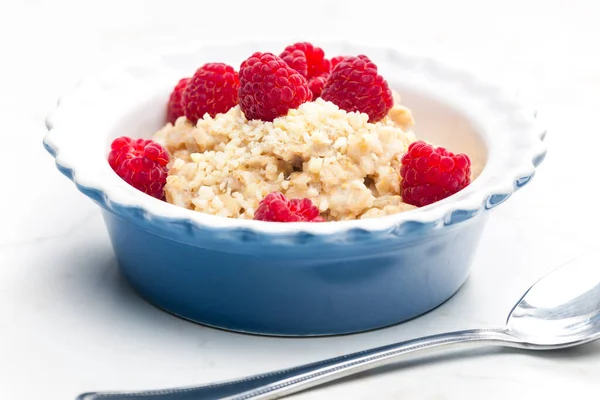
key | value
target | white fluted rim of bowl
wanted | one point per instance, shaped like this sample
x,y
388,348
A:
x,y
77,125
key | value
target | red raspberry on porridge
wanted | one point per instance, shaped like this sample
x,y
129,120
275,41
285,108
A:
x,y
141,163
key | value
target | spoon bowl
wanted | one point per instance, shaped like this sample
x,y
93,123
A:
x,y
562,309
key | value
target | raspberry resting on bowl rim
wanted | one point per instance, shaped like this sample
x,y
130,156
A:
x,y
302,139
141,163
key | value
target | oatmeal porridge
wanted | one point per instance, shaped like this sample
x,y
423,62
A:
x,y
347,166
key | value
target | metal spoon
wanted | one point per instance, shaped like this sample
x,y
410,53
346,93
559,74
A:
x,y
561,310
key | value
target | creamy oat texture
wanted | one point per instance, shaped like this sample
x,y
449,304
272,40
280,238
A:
x,y
347,166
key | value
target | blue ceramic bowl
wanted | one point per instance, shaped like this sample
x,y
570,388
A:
x,y
296,279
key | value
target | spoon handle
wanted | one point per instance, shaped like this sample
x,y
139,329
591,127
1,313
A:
x,y
278,384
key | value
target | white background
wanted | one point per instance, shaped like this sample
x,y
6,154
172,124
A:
x,y
68,321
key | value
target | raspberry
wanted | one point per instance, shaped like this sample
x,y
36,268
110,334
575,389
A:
x,y
355,85
213,89
175,108
141,163
307,59
336,60
297,60
430,174
269,87
276,207
317,84
310,61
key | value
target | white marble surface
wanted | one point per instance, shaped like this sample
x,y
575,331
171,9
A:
x,y
68,321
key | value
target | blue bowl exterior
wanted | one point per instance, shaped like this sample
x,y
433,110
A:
x,y
314,288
